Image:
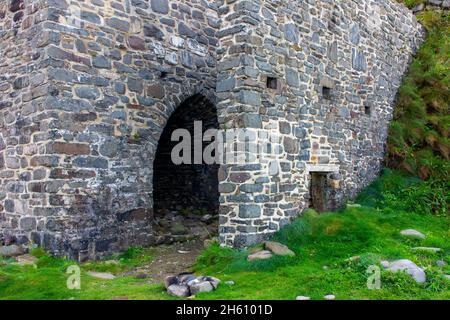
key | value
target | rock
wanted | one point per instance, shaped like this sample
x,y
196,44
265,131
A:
x,y
329,297
186,278
207,218
302,298
426,249
178,229
11,250
441,263
26,259
353,259
278,248
407,266
260,255
411,233
435,2
229,283
178,290
198,286
101,275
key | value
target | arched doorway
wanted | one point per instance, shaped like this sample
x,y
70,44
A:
x,y
185,196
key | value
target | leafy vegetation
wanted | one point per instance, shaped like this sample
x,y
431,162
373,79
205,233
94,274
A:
x,y
419,135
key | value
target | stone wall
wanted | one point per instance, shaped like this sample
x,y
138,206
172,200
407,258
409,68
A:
x,y
87,88
114,72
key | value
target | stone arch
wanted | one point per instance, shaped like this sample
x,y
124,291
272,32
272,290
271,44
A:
x,y
186,196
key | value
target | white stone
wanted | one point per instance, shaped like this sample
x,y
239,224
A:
x,y
302,298
329,297
405,265
177,41
412,234
26,259
230,283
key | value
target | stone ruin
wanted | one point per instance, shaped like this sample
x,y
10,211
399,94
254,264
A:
x,y
90,91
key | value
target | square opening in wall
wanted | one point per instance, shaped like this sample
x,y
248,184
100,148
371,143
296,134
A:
x,y
326,93
367,110
272,83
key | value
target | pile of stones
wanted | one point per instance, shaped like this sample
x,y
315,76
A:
x,y
188,285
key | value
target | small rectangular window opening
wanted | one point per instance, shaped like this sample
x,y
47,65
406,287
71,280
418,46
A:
x,y
272,83
368,110
326,93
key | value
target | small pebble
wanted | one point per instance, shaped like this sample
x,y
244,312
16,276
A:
x,y
330,297
302,298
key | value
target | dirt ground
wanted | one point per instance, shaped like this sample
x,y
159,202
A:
x,y
168,260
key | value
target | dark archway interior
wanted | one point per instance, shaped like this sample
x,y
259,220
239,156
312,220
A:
x,y
185,194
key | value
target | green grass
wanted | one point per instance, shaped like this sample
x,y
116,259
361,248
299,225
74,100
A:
x,y
322,243
419,135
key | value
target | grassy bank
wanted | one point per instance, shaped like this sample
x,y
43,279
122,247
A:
x,y
419,135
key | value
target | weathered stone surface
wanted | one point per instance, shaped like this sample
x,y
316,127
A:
x,y
441,263
160,6
11,250
26,259
260,255
407,266
278,248
101,275
178,290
